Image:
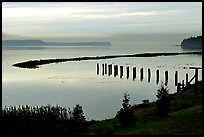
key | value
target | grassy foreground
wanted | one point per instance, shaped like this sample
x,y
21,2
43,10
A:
x,y
184,122
185,118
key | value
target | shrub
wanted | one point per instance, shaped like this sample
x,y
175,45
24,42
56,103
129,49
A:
x,y
44,120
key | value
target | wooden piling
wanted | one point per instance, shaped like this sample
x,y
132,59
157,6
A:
x,y
128,68
109,71
176,78
115,70
141,74
149,75
157,76
187,79
121,71
134,73
196,75
97,68
105,68
166,77
102,69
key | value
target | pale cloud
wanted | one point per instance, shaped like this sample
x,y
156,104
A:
x,y
88,18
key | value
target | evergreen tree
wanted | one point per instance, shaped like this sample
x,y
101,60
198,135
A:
x,y
126,114
78,120
163,102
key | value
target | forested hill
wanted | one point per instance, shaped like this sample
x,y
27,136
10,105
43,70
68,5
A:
x,y
192,43
43,43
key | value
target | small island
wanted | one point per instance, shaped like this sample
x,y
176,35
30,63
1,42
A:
x,y
192,43
39,43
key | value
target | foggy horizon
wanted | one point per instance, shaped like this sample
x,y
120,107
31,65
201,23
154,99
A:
x,y
89,21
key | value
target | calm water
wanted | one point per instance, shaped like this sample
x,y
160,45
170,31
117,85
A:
x,y
70,83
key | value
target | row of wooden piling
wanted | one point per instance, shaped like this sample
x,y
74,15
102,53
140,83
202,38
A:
x,y
107,70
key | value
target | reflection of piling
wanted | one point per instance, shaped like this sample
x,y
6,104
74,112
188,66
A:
x,y
121,71
166,78
176,78
97,68
102,69
141,74
134,73
157,76
105,68
128,69
149,75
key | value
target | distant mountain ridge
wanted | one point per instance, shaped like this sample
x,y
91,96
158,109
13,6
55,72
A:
x,y
192,43
43,43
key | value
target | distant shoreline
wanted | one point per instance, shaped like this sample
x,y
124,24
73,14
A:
x,y
32,64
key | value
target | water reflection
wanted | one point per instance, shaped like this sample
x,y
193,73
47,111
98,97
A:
x,y
71,83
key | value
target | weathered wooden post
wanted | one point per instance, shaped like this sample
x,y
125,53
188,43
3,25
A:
x,y
97,68
102,69
187,84
109,71
141,74
134,73
128,68
157,76
196,75
183,85
149,75
115,70
105,68
176,78
196,72
166,77
121,71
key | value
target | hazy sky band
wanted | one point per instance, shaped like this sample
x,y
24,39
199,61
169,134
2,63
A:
x,y
100,18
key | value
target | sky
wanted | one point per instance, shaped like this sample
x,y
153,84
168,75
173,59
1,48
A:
x,y
99,19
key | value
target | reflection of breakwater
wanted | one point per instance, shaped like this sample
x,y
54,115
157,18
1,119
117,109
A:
x,y
116,70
